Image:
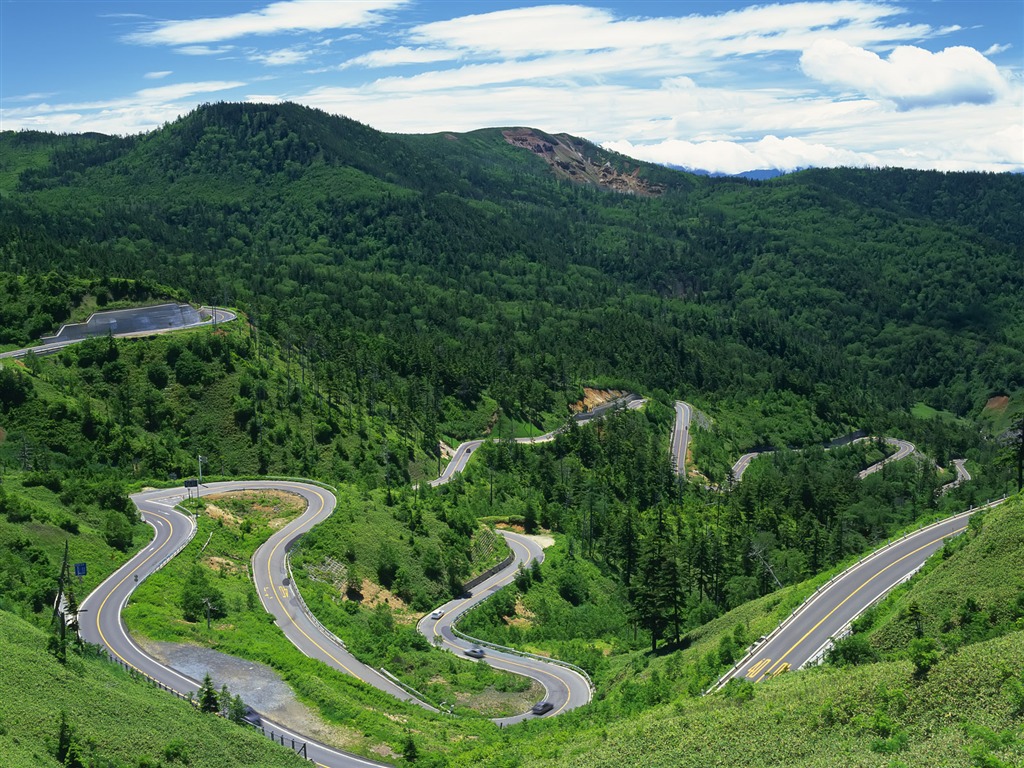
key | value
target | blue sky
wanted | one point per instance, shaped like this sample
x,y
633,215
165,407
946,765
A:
x,y
725,86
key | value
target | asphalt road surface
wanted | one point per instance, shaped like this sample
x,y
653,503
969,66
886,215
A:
x,y
100,617
126,323
681,436
465,450
903,450
101,621
805,635
962,476
564,687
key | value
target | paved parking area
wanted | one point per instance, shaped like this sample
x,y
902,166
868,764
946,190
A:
x,y
123,321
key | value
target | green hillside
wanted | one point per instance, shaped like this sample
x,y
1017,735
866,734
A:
x,y
116,720
400,293
965,710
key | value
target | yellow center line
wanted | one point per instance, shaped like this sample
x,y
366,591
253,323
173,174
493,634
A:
x,y
99,611
858,589
270,579
534,670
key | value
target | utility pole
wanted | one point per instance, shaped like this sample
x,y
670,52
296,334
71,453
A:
x,y
200,460
756,552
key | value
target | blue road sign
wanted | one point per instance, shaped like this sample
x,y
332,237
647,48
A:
x,y
79,569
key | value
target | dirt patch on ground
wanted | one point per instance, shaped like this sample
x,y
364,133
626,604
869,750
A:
x,y
221,564
375,594
212,510
277,508
384,750
595,397
543,540
998,403
265,503
494,703
523,617
581,162
258,685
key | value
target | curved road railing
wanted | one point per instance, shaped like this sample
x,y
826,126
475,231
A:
x,y
51,344
903,450
904,556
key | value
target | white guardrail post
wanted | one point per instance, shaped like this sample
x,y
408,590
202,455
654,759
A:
x,y
720,683
526,654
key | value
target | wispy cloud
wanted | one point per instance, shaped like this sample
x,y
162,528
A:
x,y
996,49
182,90
286,16
31,96
733,157
204,50
281,57
134,113
553,29
157,75
399,56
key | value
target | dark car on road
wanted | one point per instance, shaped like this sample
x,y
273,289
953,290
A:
x,y
542,707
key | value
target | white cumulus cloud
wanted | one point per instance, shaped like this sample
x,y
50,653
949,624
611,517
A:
x,y
733,157
910,77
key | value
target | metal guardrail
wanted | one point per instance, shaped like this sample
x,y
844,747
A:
x,y
480,578
526,654
304,607
720,683
410,690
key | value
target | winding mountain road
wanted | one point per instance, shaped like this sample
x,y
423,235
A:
x,y
102,623
801,638
903,450
465,450
565,687
804,637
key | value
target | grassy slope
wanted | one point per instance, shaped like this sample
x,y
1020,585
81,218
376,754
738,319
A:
x,y
965,712
985,568
114,716
822,718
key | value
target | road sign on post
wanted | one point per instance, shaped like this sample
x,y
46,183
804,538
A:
x,y
79,570
191,482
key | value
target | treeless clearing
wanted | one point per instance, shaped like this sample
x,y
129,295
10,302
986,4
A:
x,y
997,403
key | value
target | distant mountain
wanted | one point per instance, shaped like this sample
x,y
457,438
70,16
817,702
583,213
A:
x,y
760,174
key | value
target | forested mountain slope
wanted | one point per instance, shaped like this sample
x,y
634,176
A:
x,y
398,291
423,271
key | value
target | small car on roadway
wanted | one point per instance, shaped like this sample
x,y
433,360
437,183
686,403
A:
x,y
437,614
476,652
542,707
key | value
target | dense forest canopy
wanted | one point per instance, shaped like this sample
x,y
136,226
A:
x,y
414,269
399,292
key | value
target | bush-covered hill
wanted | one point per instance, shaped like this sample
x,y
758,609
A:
x,y
416,269
403,290
111,719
